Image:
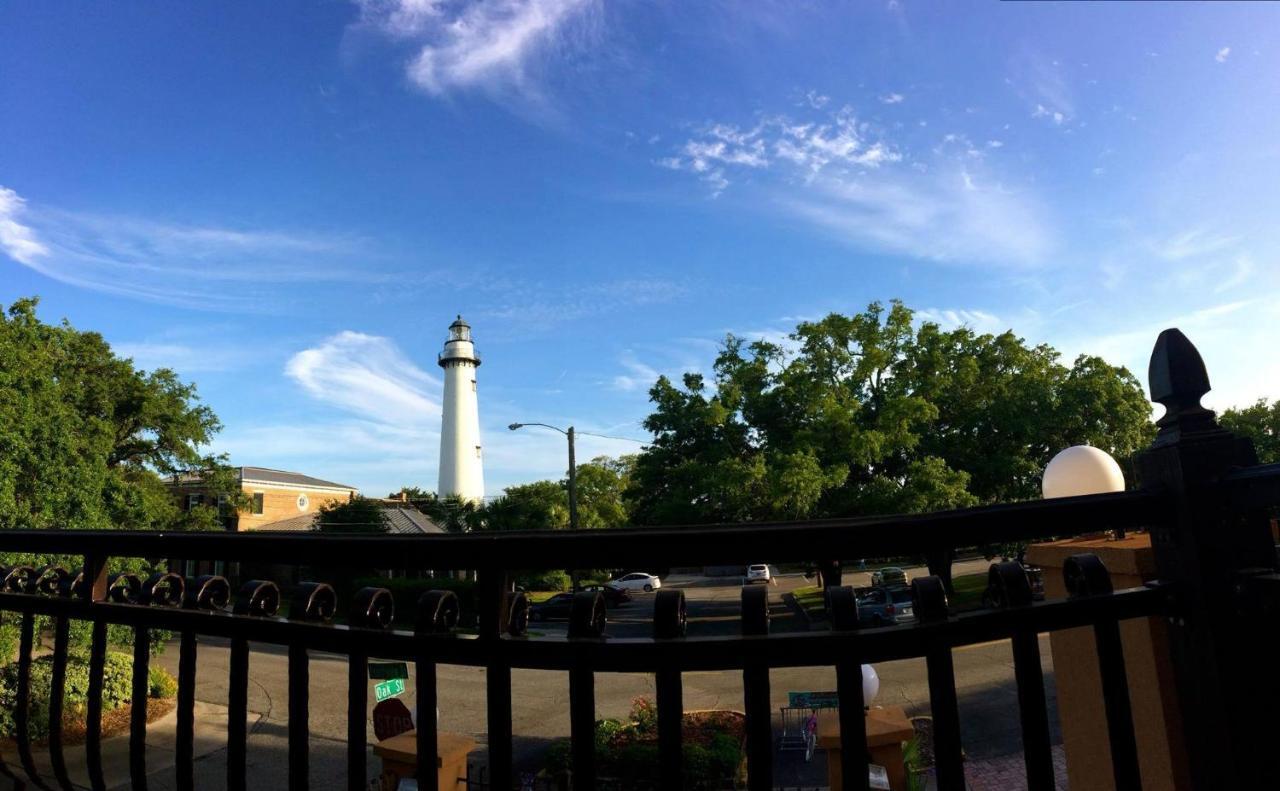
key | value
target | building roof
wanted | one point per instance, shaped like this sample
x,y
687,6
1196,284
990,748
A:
x,y
268,475
402,520
407,520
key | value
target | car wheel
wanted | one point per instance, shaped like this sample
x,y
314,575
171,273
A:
x,y
877,621
648,588
535,616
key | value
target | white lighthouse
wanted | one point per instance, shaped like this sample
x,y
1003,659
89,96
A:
x,y
461,464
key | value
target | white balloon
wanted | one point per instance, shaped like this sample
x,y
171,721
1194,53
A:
x,y
1081,469
870,685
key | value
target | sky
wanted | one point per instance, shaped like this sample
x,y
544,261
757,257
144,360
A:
x,y
288,202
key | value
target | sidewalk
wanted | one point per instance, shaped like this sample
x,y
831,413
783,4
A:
x,y
162,735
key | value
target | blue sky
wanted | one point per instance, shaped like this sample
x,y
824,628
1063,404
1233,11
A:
x,y
289,202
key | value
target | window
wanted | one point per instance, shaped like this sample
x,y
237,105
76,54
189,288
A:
x,y
477,451
257,502
473,385
194,500
303,502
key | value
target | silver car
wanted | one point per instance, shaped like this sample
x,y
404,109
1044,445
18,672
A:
x,y
758,572
637,581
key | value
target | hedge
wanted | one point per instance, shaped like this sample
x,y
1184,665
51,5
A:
x,y
117,689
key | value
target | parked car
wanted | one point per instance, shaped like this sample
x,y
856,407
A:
x,y
637,581
556,608
888,577
1035,578
886,607
758,572
613,595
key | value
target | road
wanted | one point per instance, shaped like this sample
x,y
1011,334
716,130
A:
x,y
984,680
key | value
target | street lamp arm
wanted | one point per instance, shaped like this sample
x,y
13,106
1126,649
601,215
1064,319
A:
x,y
515,426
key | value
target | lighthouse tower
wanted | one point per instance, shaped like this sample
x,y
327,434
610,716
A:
x,y
461,465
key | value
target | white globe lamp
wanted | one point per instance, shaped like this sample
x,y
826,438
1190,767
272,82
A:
x,y
870,685
1079,470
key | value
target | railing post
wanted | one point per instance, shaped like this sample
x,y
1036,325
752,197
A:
x,y
1224,682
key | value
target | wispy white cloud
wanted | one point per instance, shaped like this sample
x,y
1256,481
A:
x,y
18,241
892,98
368,376
534,306
1241,271
196,266
1223,54
487,44
846,176
977,320
638,376
1192,243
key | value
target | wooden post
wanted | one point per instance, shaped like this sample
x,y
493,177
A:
x,y
1226,683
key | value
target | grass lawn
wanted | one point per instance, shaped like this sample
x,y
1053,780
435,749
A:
x,y
810,600
969,588
539,596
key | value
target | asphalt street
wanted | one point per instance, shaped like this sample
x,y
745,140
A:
x,y
984,681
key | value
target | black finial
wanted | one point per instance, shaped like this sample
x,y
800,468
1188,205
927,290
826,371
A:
x,y
1178,380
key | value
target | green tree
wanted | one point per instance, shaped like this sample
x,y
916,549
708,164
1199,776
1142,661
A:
x,y
871,414
601,483
455,514
1259,422
541,505
86,439
357,515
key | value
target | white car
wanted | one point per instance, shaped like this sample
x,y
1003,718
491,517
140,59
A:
x,y
637,581
758,572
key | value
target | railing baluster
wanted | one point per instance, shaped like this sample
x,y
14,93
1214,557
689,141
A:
x,y
587,620
842,606
57,692
755,693
93,724
929,598
670,622
582,725
255,598
1115,698
427,743
1034,714
1085,575
237,714
22,708
299,717
493,614
138,711
438,613
357,720
1010,588
184,751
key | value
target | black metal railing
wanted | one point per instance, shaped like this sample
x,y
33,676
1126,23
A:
x,y
1201,496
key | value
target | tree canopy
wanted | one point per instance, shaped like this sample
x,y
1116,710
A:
x,y
1259,422
872,413
86,438
357,515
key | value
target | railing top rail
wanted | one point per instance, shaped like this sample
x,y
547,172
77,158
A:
x,y
879,536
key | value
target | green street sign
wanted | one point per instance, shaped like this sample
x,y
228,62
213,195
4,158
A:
x,y
389,689
386,670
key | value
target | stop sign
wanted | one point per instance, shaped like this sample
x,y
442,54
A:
x,y
391,718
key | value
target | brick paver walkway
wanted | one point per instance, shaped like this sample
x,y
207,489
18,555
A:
x,y
1007,772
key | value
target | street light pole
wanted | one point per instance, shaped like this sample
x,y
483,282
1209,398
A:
x,y
573,483
573,468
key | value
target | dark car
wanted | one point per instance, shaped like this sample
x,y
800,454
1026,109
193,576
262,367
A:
x,y
886,607
613,596
556,608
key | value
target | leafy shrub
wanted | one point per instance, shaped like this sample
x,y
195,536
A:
x,y
645,716
116,689
161,683
554,580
